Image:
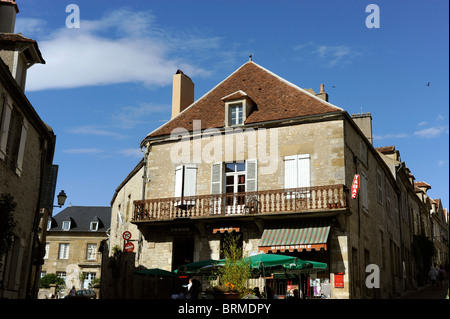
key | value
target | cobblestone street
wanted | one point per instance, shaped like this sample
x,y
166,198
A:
x,y
428,292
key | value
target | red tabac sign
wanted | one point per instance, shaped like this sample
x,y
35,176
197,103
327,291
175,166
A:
x,y
129,247
355,186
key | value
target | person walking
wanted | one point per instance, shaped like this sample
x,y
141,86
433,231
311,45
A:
x,y
433,274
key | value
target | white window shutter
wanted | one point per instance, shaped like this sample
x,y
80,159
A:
x,y
290,171
23,138
216,178
4,129
304,178
179,181
251,180
190,180
363,191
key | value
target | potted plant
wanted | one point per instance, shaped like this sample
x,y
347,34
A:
x,y
234,273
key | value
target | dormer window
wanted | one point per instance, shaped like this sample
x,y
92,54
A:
x,y
237,107
94,226
66,225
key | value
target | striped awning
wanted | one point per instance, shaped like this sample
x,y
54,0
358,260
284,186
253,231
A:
x,y
226,229
302,235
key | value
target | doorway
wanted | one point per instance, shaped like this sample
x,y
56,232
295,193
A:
x,y
183,251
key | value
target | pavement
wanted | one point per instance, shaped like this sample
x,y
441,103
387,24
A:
x,y
427,292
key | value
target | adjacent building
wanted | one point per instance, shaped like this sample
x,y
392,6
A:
x,y
73,246
27,172
263,159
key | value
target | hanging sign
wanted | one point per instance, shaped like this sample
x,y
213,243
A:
x,y
126,235
355,186
129,247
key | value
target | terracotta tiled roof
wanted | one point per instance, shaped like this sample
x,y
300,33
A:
x,y
274,98
385,149
422,184
18,37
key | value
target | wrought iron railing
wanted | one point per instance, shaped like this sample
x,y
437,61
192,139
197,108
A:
x,y
291,200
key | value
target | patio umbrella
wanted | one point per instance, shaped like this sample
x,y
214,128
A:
x,y
155,272
196,267
305,266
269,260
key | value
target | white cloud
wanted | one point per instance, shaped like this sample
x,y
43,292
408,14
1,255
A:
x,y
132,152
91,151
121,47
92,130
329,55
430,132
130,116
390,136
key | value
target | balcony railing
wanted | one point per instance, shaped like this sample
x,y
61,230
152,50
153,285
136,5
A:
x,y
291,200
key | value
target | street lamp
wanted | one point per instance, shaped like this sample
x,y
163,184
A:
x,y
61,199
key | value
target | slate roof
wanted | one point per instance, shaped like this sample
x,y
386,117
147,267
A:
x,y
81,218
275,98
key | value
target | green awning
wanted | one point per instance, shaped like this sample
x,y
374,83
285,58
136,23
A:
x,y
300,235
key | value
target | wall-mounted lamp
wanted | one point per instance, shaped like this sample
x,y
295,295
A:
x,y
61,199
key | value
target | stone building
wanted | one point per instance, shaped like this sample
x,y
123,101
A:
x,y
73,246
26,154
272,163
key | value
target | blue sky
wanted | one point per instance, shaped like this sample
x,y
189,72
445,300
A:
x,y
107,84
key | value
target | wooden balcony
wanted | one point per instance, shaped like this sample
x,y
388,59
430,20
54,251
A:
x,y
294,200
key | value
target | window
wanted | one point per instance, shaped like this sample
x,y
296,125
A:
x,y
297,171
363,154
363,191
235,183
379,187
91,251
66,225
49,224
62,275
13,141
185,182
63,251
233,178
238,106
236,114
94,226
47,247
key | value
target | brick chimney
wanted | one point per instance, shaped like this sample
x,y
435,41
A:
x,y
8,11
182,92
364,122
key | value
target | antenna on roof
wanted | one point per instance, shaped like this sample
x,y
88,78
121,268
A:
x,y
250,56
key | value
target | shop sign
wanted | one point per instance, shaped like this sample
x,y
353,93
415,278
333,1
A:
x,y
339,280
355,186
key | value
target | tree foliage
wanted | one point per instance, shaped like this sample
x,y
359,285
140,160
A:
x,y
235,272
7,223
50,279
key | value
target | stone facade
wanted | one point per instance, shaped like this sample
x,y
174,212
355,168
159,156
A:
x,y
372,232
24,184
